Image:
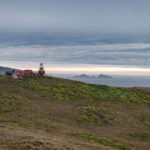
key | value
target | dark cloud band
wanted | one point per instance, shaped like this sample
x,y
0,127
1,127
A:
x,y
135,54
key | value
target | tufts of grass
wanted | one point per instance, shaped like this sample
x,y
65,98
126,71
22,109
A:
x,y
144,119
141,136
46,126
27,145
92,114
72,91
2,120
33,83
123,95
104,141
8,105
15,124
66,147
61,89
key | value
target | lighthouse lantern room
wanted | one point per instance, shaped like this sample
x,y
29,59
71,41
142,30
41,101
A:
x,y
41,71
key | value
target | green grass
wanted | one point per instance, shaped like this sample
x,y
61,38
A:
x,y
2,120
141,136
144,119
9,104
73,90
104,141
123,95
27,145
92,114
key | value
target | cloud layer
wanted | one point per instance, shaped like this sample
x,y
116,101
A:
x,y
132,54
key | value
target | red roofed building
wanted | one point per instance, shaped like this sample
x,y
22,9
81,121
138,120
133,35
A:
x,y
18,74
29,73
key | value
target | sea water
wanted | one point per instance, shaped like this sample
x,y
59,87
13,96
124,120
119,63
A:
x,y
118,81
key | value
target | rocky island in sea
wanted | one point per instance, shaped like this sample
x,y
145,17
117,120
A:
x,y
92,76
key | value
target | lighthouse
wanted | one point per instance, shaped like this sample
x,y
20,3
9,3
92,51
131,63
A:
x,y
41,71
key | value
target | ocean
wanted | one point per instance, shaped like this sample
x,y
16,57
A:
x,y
117,81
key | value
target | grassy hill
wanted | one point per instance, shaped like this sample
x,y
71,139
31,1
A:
x,y
58,114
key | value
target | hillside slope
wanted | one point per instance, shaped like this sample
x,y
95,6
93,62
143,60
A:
x,y
57,114
4,69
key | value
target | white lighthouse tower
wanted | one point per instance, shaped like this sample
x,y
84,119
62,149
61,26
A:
x,y
41,71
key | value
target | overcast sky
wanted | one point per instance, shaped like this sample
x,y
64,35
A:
x,y
86,32
89,16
